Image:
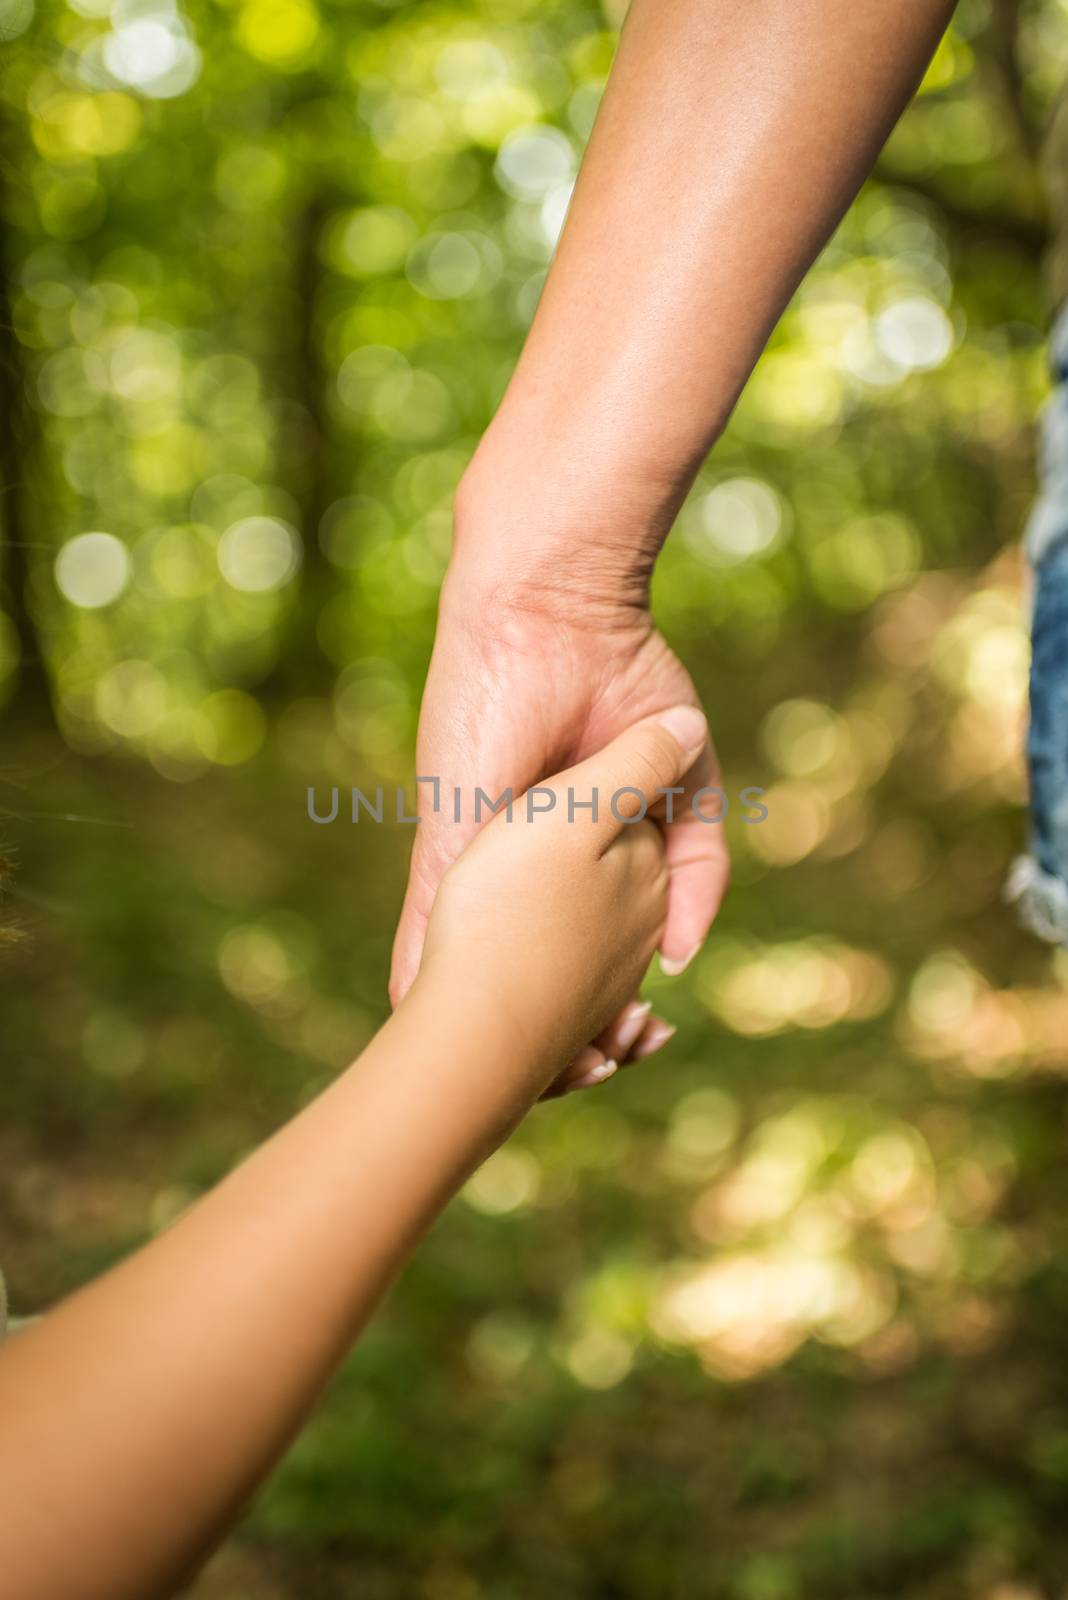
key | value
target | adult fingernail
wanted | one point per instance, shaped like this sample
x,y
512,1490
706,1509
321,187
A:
x,y
630,1025
687,726
656,1035
671,967
588,1059
592,1078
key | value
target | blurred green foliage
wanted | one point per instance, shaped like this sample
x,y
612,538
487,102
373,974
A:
x,y
780,1317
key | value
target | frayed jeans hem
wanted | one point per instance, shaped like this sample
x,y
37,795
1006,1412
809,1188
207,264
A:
x,y
1040,899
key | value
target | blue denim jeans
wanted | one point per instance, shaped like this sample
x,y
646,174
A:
x,y
1039,881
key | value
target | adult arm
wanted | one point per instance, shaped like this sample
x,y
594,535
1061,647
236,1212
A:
x,y
732,135
731,138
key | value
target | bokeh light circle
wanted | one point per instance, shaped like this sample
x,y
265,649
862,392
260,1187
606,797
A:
x,y
534,160
92,570
259,554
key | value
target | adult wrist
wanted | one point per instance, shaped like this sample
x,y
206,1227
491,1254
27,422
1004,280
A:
x,y
549,537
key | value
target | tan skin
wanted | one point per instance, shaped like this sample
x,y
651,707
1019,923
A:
x,y
140,1414
732,135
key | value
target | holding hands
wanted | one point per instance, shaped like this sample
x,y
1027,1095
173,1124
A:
x,y
530,676
554,911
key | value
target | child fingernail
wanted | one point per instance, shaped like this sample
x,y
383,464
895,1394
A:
x,y
630,1025
687,725
595,1076
656,1035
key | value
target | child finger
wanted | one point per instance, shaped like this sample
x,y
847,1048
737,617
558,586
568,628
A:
x,y
627,779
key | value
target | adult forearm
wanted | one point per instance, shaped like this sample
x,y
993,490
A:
x,y
732,136
139,1415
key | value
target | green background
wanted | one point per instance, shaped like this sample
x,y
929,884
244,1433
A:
x,y
781,1315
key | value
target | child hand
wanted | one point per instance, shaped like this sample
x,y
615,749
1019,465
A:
x,y
554,915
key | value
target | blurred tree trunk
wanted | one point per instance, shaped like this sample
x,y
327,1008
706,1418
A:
x,y
302,667
1003,41
310,378
16,432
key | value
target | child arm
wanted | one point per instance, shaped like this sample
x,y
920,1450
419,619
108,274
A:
x,y
140,1414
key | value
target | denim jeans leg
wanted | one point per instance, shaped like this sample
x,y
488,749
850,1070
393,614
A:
x,y
1039,882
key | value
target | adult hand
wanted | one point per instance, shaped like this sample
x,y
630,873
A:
x,y
526,679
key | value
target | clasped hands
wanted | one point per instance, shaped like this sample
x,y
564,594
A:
x,y
548,672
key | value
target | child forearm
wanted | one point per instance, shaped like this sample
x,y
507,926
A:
x,y
138,1416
